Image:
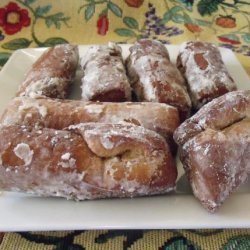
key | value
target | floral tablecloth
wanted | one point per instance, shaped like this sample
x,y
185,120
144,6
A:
x,y
38,23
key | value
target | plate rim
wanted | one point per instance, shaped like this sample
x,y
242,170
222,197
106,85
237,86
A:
x,y
159,224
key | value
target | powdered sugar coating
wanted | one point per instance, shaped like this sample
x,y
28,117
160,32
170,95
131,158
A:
x,y
206,74
217,163
65,156
106,142
23,151
159,117
154,78
78,166
215,147
52,74
94,108
104,73
111,136
217,114
150,47
67,161
42,86
31,104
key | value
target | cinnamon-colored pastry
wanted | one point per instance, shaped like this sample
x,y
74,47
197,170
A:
x,y
52,74
154,78
85,161
105,76
206,74
215,147
58,114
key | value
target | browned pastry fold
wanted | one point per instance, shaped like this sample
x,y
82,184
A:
x,y
105,76
206,74
85,161
217,115
52,74
154,78
215,147
58,114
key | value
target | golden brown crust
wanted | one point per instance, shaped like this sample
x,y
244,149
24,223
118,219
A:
x,y
85,161
52,74
58,114
217,114
215,147
207,77
154,78
217,163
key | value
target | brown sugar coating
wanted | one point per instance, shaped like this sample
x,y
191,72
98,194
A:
x,y
206,74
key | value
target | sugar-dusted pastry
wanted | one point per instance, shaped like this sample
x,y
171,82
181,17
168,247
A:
x,y
215,147
52,74
105,76
85,161
58,114
154,78
206,74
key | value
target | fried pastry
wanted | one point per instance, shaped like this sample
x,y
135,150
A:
x,y
52,74
205,72
154,78
105,76
215,147
58,114
85,161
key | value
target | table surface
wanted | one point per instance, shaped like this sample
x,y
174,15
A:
x,y
33,23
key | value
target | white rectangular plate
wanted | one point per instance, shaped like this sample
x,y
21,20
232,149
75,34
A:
x,y
20,212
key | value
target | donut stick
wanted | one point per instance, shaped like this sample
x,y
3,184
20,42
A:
x,y
85,161
105,76
206,74
58,114
215,148
52,74
154,78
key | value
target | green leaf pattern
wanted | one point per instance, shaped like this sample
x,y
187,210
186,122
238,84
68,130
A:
x,y
40,11
131,22
238,243
108,5
125,32
56,20
28,2
232,37
246,37
4,56
207,7
170,14
177,12
89,11
54,41
115,9
15,44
